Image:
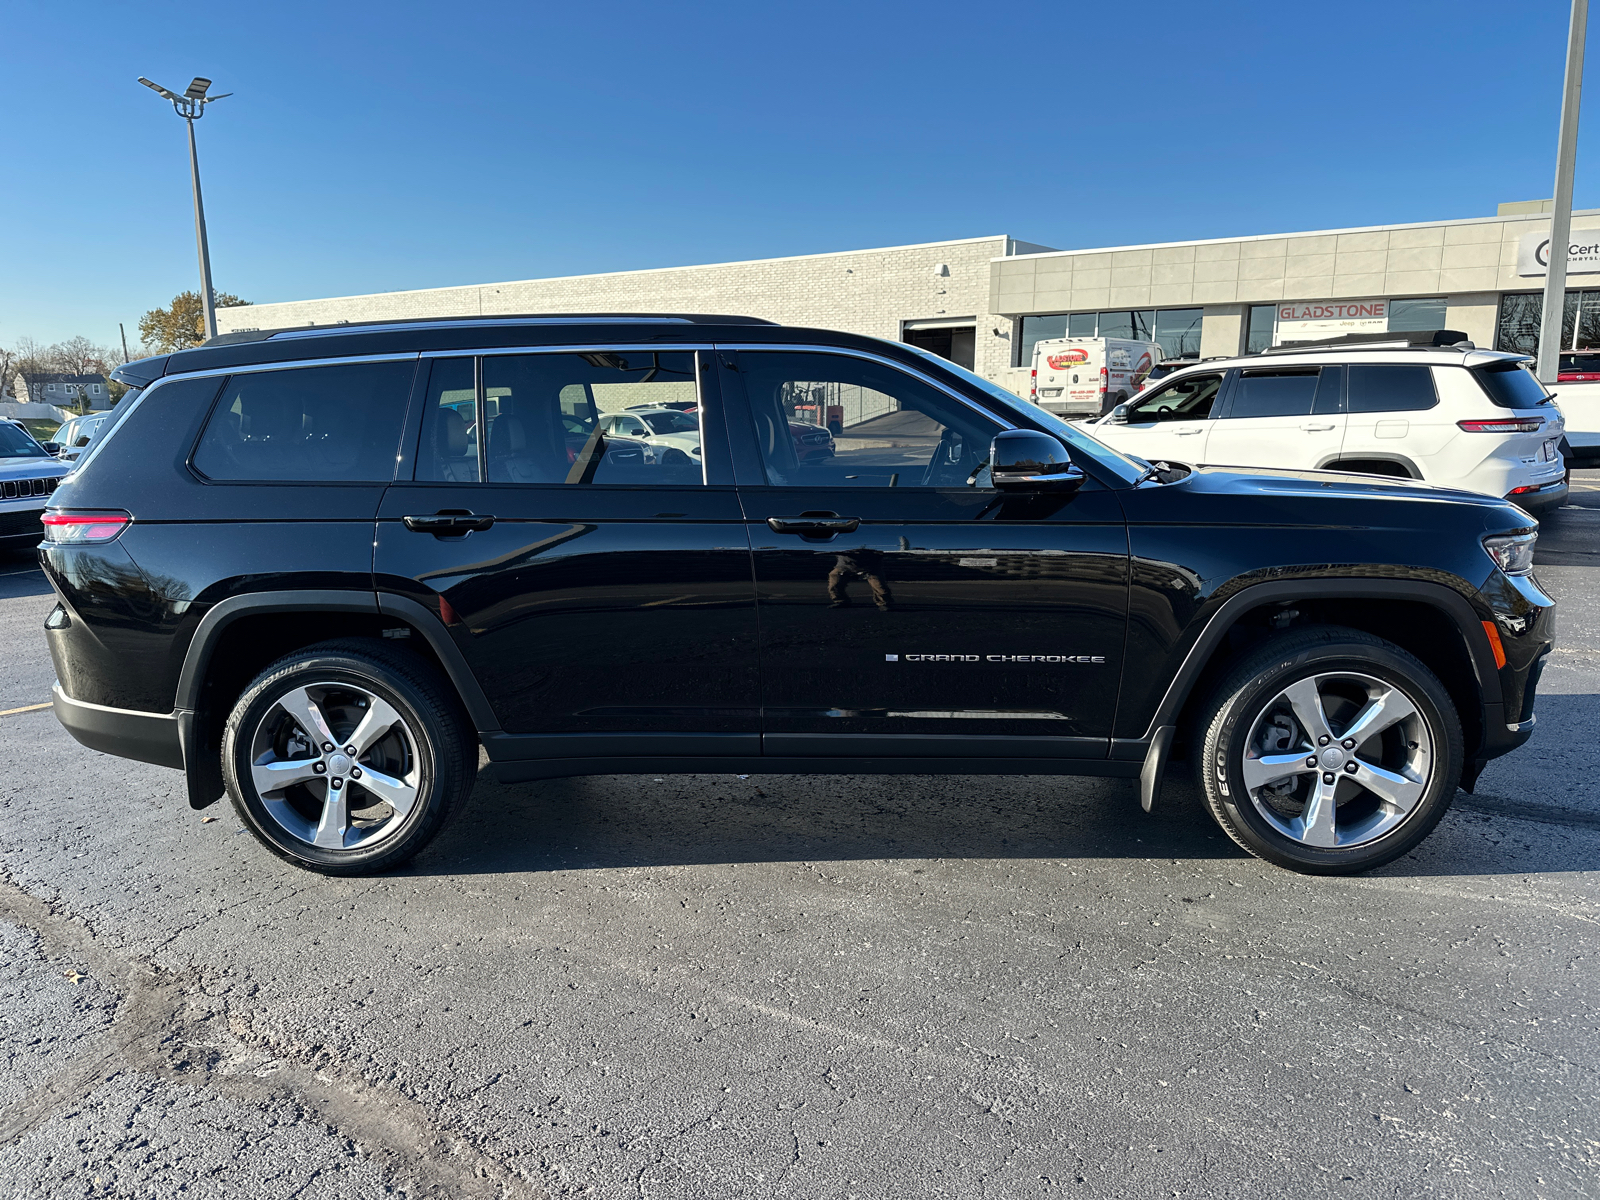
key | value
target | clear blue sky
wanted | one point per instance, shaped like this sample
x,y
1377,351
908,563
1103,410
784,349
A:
x,y
379,146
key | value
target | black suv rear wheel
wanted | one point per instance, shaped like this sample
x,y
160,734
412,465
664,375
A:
x,y
347,757
1330,751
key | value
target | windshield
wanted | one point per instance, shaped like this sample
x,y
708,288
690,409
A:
x,y
671,422
1078,441
15,443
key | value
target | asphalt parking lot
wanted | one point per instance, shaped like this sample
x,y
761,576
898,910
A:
x,y
784,986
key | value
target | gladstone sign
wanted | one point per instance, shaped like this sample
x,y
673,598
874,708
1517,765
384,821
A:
x,y
1302,321
1583,258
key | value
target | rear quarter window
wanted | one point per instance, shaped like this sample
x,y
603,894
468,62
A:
x,y
1390,387
1510,385
335,424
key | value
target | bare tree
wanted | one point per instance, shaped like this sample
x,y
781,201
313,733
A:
x,y
79,356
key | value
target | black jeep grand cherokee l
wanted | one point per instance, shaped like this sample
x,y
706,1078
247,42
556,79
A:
x,y
317,568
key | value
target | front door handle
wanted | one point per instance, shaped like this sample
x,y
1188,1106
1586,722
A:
x,y
1190,431
447,524
1316,428
814,524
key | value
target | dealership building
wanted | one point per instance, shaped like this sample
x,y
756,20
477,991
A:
x,y
984,302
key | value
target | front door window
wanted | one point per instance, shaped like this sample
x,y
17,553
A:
x,y
894,431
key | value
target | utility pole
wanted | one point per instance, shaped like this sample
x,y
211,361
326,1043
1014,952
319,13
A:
x,y
124,334
1555,279
191,106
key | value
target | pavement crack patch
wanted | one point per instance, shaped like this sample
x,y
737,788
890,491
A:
x,y
161,1029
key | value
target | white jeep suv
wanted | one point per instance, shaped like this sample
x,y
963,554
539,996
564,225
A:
x,y
1451,415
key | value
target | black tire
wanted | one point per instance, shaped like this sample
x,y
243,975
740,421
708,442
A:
x,y
434,740
676,458
1338,658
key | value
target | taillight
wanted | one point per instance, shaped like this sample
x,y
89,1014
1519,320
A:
x,y
66,529
1103,378
1503,425
1033,384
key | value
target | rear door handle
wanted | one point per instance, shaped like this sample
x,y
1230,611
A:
x,y
813,526
447,524
1316,428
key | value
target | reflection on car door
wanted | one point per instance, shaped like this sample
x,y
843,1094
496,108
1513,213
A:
x,y
1170,422
601,596
1288,416
906,607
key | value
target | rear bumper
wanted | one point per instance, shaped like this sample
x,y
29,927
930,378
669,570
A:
x,y
125,732
1551,495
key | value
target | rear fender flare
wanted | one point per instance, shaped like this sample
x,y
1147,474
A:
x,y
197,660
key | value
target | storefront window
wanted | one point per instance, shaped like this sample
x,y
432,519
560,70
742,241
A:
x,y
1134,325
1406,316
1038,329
1178,332
1258,333
1517,330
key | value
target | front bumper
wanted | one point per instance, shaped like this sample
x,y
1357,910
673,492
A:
x,y
19,525
125,732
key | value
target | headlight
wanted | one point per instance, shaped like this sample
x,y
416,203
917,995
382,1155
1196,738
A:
x,y
1512,552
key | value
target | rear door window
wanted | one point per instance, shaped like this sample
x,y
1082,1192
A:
x,y
596,417
335,424
1391,387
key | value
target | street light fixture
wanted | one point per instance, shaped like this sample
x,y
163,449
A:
x,y
191,106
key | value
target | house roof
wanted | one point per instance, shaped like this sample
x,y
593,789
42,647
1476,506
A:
x,y
33,377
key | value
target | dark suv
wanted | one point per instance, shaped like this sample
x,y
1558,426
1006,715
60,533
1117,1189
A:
x,y
295,570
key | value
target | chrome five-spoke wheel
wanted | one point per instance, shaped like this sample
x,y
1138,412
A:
x,y
1338,760
335,765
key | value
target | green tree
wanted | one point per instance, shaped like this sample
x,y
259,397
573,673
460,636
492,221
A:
x,y
181,324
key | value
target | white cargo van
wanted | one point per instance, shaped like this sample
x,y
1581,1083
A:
x,y
1089,375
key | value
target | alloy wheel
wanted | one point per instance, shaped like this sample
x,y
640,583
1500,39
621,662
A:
x,y
1338,760
336,766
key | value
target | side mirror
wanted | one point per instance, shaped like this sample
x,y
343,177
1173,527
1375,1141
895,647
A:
x,y
50,447
1118,415
1025,460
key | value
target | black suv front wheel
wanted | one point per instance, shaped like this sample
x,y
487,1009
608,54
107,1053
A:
x,y
347,757
1330,751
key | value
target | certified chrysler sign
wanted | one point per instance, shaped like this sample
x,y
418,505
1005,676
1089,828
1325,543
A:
x,y
1583,258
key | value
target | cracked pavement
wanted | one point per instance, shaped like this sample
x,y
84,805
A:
x,y
780,986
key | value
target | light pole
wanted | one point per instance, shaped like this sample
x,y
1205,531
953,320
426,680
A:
x,y
1555,279
191,106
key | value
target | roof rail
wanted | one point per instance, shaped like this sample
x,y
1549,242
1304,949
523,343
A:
x,y
1399,340
408,323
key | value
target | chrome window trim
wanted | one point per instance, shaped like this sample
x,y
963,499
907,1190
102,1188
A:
x,y
213,372
466,323
849,352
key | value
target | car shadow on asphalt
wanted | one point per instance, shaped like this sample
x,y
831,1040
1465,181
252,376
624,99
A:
x,y
677,820
610,822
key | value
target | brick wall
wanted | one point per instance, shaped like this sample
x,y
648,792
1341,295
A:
x,y
860,291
